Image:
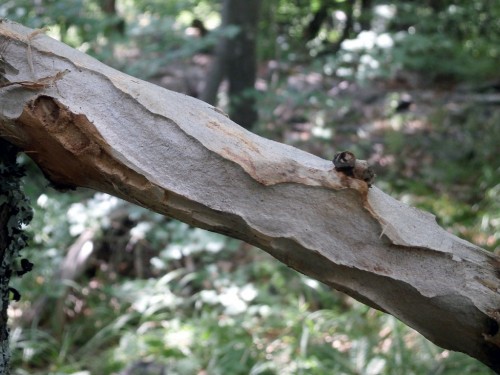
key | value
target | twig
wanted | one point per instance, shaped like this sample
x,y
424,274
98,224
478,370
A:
x,y
39,83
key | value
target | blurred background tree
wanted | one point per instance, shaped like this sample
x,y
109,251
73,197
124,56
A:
x,y
413,87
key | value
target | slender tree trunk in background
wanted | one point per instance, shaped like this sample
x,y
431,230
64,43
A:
x,y
218,67
437,5
116,24
348,26
242,61
109,7
319,18
236,58
215,74
314,26
365,17
347,29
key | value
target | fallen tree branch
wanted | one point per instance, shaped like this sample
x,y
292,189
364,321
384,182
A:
x,y
178,156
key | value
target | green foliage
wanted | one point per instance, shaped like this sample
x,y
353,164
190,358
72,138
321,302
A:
x,y
461,39
443,44
219,306
73,21
153,30
451,170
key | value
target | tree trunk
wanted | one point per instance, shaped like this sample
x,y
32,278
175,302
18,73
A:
x,y
218,67
116,24
86,124
242,61
236,58
347,30
366,14
314,26
7,157
348,26
14,213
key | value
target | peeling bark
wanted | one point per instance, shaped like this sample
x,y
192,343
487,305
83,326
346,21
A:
x,y
99,128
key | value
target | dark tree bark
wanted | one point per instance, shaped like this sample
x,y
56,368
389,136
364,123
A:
x,y
6,157
218,67
116,23
14,213
438,5
314,26
347,30
365,17
242,61
348,26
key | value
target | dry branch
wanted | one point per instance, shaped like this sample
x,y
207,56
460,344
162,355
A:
x,y
99,128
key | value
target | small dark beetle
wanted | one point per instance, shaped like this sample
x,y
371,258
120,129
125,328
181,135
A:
x,y
346,163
